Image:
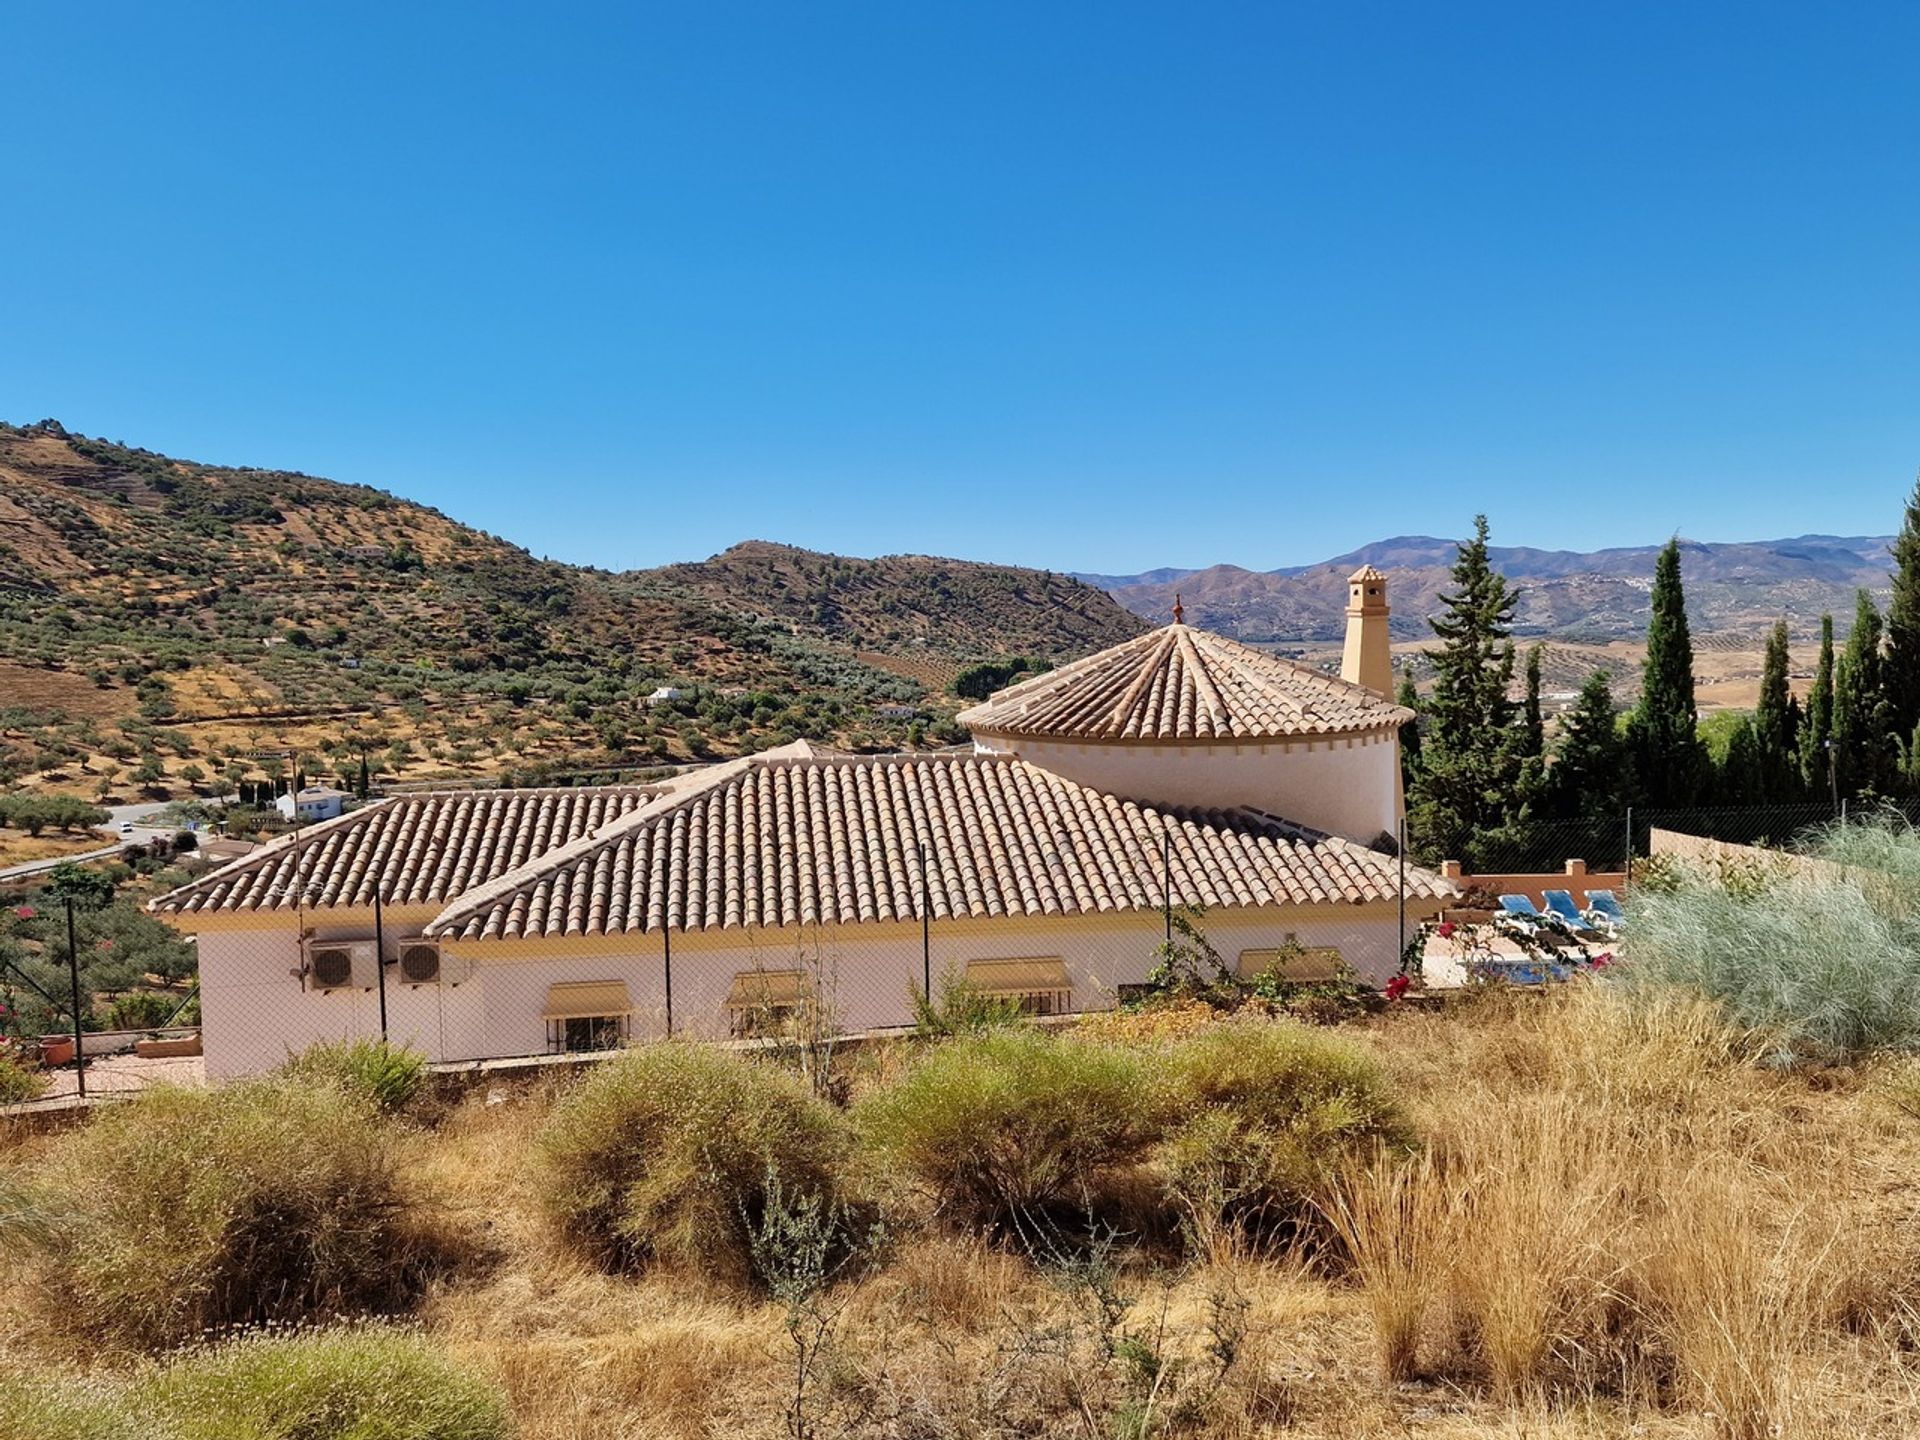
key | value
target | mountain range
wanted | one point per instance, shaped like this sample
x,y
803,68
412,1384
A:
x,y
1578,596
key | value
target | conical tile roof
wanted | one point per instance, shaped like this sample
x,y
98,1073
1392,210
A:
x,y
1179,683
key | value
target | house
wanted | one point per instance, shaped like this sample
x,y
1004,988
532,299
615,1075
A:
x,y
315,802
1177,770
666,695
896,712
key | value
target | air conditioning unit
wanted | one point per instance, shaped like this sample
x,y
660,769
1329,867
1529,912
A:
x,y
337,967
419,962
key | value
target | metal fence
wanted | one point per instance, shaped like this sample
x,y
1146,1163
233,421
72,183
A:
x,y
264,981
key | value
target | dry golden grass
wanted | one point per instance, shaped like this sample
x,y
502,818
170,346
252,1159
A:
x,y
1619,1224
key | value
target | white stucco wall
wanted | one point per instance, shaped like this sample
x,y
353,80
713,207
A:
x,y
1347,785
256,1012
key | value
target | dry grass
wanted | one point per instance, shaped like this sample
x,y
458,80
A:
x,y
1617,1224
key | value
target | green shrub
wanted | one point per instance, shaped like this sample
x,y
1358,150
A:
x,y
356,1383
1258,1115
141,1010
37,1408
17,1083
388,1075
1013,1128
200,1209
1825,960
961,1009
665,1155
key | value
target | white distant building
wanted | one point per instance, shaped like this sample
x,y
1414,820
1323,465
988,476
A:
x,y
1177,768
666,695
316,802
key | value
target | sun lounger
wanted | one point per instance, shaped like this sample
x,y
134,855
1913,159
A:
x,y
1520,909
1561,907
1602,903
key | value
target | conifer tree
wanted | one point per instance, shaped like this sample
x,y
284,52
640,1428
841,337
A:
x,y
1663,739
1532,738
1743,773
1469,759
1816,730
1587,772
1863,733
1408,698
1903,625
1775,720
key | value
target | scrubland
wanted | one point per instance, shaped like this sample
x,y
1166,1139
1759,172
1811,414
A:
x,y
1625,1208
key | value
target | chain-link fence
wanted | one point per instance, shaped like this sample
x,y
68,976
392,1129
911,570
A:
x,y
505,928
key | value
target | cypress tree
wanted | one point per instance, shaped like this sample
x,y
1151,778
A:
x,y
1532,739
1903,624
1775,719
1586,775
1663,737
1862,718
1408,698
1743,774
1469,760
1817,728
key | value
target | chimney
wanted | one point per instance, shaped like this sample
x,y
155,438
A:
x,y
1368,658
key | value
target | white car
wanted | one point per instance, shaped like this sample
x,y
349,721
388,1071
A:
x,y
126,827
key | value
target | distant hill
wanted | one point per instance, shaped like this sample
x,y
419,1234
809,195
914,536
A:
x,y
236,610
1583,596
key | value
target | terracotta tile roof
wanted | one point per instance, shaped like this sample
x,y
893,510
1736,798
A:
x,y
813,838
428,848
1178,683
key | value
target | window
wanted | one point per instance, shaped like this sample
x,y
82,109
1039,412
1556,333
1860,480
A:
x,y
1038,985
585,1015
766,1002
590,1032
1294,963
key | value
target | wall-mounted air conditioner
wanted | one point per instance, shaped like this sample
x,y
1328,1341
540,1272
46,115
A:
x,y
419,962
333,965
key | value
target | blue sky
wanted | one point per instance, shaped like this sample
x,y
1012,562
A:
x,y
1092,287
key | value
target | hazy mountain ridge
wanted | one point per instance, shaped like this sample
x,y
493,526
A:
x,y
1594,595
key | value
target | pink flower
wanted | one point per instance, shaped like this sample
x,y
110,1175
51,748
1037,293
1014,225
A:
x,y
1445,932
1603,959
24,912
1398,986
106,944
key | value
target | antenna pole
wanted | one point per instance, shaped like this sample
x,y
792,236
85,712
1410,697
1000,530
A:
x,y
380,959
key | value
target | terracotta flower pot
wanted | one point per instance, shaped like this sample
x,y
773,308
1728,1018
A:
x,y
56,1052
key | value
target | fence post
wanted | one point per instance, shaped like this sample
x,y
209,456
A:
x,y
1401,848
73,971
1627,869
666,950
926,932
1166,879
380,958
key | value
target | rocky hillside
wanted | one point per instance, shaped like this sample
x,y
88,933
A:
x,y
1592,596
243,610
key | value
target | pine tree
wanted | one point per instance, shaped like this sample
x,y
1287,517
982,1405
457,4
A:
x,y
1816,730
1903,624
1586,776
363,782
1663,739
1863,735
1776,755
1469,761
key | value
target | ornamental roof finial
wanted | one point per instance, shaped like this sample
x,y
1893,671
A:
x,y
1179,610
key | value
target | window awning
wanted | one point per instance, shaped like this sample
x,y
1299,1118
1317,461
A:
x,y
1018,977
1305,966
755,988
587,999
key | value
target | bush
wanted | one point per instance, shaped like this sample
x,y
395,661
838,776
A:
x,y
141,1010
1824,959
390,1076
200,1209
17,1083
960,1009
1014,1128
1259,1116
358,1383
666,1154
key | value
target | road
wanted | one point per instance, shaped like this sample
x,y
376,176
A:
x,y
119,815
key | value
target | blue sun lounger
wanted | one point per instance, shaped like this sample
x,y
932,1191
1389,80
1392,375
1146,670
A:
x,y
1561,907
1602,903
